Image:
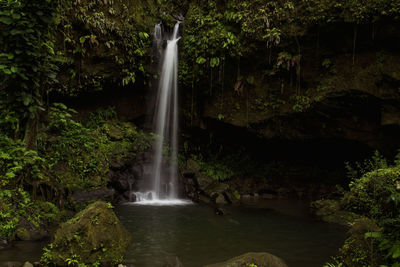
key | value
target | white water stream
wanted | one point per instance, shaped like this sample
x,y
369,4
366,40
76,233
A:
x,y
164,184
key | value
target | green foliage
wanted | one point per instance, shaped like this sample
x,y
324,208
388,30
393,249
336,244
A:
x,y
336,263
377,161
114,32
214,168
75,156
222,34
326,63
27,65
301,103
70,156
360,248
16,204
370,195
100,116
374,194
9,122
18,165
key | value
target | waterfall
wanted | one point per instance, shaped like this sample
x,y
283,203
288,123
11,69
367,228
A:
x,y
166,121
164,184
158,38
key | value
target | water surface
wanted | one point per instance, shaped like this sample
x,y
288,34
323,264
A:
x,y
198,237
23,251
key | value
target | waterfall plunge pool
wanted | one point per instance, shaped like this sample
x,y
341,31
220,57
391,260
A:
x,y
198,237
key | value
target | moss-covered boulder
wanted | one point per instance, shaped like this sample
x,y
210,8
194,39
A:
x,y
261,259
329,210
94,235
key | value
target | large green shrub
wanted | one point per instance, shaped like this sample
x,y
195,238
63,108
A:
x,y
371,195
375,194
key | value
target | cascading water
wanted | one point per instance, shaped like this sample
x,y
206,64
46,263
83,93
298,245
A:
x,y
164,185
158,38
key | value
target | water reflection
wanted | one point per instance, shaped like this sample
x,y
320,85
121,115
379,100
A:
x,y
198,237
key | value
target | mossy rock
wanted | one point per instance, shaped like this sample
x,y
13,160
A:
x,y
261,259
330,211
325,207
94,235
23,234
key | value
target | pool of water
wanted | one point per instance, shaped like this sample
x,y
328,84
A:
x,y
23,251
198,237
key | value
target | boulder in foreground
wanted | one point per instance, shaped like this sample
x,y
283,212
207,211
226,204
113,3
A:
x,y
93,236
261,259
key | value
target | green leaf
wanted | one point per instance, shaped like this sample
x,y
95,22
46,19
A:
x,y
60,105
27,100
16,31
200,60
6,20
23,76
214,62
9,56
372,235
7,71
10,175
82,39
143,35
396,251
250,80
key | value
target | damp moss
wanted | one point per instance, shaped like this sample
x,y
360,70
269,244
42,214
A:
x,y
94,235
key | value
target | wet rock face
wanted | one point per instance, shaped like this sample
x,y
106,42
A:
x,y
261,259
94,235
100,194
127,175
202,188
